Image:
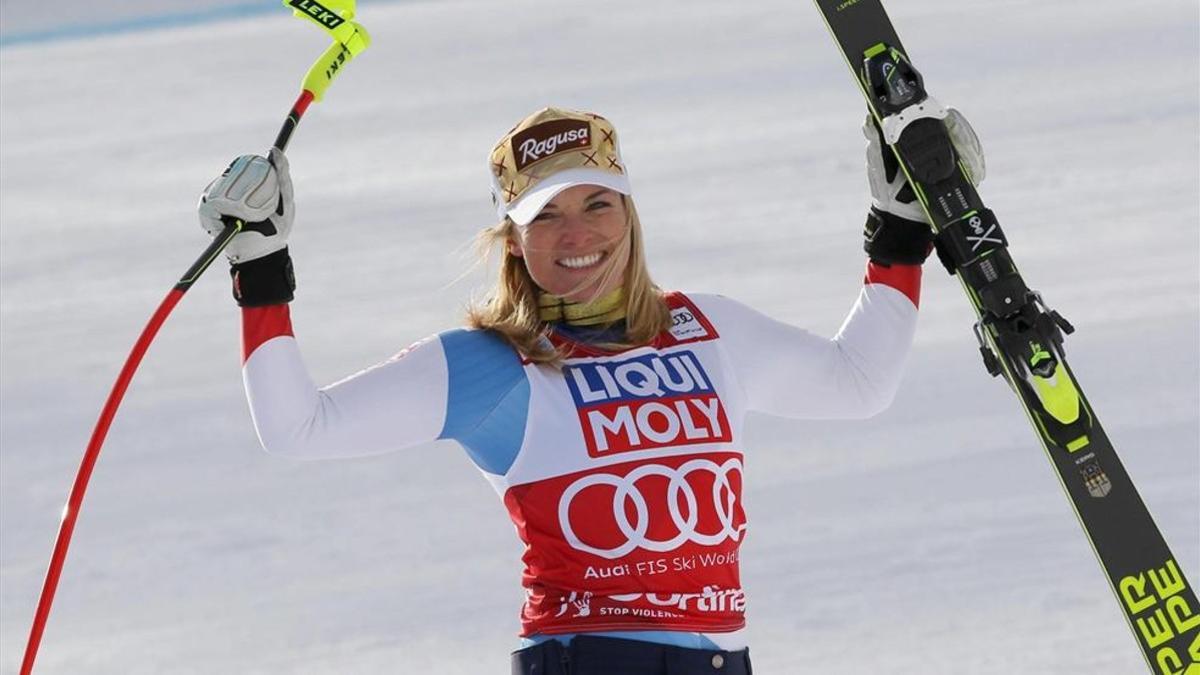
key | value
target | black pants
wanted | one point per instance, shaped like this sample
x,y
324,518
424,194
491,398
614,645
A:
x,y
588,655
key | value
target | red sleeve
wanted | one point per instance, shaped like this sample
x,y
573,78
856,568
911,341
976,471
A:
x,y
260,324
904,278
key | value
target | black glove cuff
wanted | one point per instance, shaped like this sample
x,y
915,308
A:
x,y
268,280
892,240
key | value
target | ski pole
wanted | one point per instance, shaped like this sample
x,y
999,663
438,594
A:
x,y
350,38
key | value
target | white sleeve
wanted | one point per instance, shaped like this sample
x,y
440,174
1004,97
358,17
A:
x,y
396,404
785,370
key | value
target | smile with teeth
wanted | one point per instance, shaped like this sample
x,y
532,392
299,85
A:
x,y
582,261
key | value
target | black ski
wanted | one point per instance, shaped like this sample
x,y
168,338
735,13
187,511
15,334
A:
x,y
1021,339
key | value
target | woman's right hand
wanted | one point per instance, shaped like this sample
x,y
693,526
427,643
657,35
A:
x,y
258,191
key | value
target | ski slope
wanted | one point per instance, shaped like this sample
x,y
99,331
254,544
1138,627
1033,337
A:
x,y
931,539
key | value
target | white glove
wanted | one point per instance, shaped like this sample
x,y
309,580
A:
x,y
259,192
890,191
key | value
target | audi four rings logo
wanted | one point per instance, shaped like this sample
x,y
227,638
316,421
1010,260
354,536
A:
x,y
649,401
684,325
685,504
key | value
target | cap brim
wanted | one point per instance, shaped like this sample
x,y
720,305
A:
x,y
530,204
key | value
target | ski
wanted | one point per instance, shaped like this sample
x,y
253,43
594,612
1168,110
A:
x,y
1021,340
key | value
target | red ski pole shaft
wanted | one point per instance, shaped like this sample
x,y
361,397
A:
x,y
75,500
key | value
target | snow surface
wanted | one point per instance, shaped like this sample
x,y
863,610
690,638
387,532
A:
x,y
932,539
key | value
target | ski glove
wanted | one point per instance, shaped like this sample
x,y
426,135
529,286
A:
x,y
259,192
897,230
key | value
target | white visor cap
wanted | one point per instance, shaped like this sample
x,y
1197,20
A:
x,y
523,211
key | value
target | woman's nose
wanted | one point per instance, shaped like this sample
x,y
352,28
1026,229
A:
x,y
573,230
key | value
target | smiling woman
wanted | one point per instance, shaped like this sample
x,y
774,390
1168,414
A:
x,y
607,413
571,237
566,243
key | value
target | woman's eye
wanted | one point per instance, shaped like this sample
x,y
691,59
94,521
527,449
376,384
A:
x,y
544,216
594,206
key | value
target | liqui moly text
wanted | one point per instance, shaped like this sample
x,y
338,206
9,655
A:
x,y
645,402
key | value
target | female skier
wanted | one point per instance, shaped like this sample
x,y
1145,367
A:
x,y
607,413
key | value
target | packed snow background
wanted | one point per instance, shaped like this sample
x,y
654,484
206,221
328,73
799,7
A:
x,y
932,539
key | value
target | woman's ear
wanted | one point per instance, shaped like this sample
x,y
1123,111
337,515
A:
x,y
514,246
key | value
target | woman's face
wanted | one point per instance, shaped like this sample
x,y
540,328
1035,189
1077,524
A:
x,y
573,240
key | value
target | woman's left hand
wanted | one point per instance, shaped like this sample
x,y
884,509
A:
x,y
897,230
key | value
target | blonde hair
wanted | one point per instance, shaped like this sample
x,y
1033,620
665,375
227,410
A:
x,y
511,307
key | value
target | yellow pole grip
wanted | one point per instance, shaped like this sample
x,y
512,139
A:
x,y
335,58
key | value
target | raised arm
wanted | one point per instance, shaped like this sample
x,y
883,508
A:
x,y
395,404
448,386
786,370
464,385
